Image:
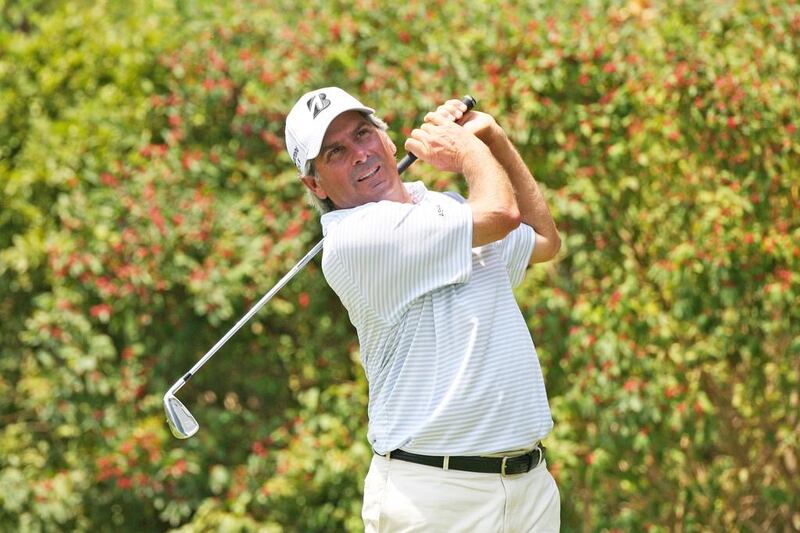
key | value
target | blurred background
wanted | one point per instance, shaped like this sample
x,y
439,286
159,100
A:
x,y
147,202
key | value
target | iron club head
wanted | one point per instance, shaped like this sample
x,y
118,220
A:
x,y
180,420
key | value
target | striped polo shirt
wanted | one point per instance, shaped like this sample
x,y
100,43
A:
x,y
451,366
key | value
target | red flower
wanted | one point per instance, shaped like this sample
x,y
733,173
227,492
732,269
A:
x,y
614,299
259,449
293,230
784,275
303,299
101,311
179,468
157,218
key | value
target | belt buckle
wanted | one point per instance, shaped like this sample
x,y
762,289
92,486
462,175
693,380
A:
x,y
503,466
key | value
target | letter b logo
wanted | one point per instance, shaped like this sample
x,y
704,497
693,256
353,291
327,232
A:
x,y
317,103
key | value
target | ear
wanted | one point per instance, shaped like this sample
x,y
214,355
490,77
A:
x,y
314,186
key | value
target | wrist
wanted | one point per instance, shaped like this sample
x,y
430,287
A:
x,y
494,137
473,152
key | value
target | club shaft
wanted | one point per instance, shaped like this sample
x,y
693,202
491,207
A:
x,y
401,167
253,310
406,162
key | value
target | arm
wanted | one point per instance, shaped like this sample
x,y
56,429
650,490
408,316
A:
x,y
530,201
450,147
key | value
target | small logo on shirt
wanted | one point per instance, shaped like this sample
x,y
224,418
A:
x,y
439,210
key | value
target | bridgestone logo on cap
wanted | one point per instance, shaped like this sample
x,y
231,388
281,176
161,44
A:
x,y
317,103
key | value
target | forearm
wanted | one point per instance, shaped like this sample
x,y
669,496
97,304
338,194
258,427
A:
x,y
491,196
530,200
454,148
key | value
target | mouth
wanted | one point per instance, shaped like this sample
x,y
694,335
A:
x,y
369,174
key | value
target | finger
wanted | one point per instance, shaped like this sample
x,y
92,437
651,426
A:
x,y
430,127
455,107
415,146
457,103
423,132
451,110
439,117
466,117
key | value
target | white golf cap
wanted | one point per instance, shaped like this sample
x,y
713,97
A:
x,y
310,117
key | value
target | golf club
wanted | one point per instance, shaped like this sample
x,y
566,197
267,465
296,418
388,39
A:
x,y
181,422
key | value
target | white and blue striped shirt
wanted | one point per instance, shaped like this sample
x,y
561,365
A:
x,y
451,365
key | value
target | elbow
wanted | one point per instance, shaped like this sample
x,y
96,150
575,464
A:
x,y
556,246
506,220
490,225
509,219
546,248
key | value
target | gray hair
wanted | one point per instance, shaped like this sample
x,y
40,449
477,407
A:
x,y
325,205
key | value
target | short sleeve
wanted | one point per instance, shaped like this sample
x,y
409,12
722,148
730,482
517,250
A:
x,y
387,254
516,249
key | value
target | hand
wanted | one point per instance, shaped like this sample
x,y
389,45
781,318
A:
x,y
443,143
482,125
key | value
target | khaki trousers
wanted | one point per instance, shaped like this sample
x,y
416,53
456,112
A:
x,y
406,497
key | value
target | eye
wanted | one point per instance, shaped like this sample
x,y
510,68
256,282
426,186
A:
x,y
363,132
333,152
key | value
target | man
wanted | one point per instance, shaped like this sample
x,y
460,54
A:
x,y
457,404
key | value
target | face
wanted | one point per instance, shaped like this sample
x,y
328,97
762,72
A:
x,y
356,164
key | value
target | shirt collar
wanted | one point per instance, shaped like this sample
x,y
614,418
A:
x,y
416,189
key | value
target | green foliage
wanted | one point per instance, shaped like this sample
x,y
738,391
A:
x,y
147,202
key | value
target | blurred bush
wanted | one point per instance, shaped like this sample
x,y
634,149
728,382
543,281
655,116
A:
x,y
147,202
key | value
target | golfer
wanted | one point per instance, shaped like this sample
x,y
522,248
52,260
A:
x,y
457,403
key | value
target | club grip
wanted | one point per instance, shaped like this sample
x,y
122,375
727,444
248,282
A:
x,y
410,158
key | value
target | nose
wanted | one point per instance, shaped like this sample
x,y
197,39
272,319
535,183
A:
x,y
359,155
